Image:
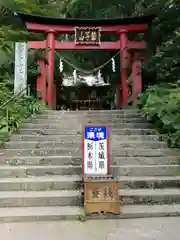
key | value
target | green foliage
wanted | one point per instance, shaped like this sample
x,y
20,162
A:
x,y
18,109
161,105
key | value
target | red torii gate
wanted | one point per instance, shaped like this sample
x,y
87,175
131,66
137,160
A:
x,y
53,26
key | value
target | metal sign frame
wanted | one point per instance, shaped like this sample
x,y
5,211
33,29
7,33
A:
x,y
107,148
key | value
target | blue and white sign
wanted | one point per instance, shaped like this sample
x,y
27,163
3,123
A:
x,y
95,150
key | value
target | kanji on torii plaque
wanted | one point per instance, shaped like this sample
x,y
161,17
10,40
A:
x,y
87,35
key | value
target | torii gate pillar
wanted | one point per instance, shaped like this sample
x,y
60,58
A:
x,y
122,84
41,79
50,51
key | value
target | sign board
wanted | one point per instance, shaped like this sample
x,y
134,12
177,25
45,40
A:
x,y
101,195
87,35
95,150
20,71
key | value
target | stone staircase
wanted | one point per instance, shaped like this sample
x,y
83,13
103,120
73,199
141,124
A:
x,y
40,167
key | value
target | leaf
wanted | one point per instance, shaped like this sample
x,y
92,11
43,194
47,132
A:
x,y
167,120
162,108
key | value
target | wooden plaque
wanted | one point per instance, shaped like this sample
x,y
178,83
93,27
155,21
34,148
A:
x,y
101,196
87,35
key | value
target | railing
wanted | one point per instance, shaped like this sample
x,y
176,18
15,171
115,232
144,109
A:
x,y
4,127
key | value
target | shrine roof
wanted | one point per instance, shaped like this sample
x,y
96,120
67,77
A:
x,y
46,20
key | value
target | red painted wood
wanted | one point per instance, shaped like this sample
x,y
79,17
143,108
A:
x,y
82,146
41,87
134,74
124,75
126,55
43,72
137,45
37,44
38,83
102,46
136,80
41,79
50,66
35,27
118,94
72,46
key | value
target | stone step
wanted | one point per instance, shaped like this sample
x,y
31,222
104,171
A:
x,y
79,116
45,170
47,183
40,198
116,170
75,143
77,152
68,122
102,111
149,196
60,126
45,160
30,137
91,112
138,160
145,170
131,152
89,116
75,161
149,182
28,214
116,142
113,111
143,211
40,183
56,213
73,198
37,137
88,119
132,131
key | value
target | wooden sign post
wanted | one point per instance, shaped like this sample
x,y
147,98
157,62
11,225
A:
x,y
101,195
101,191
